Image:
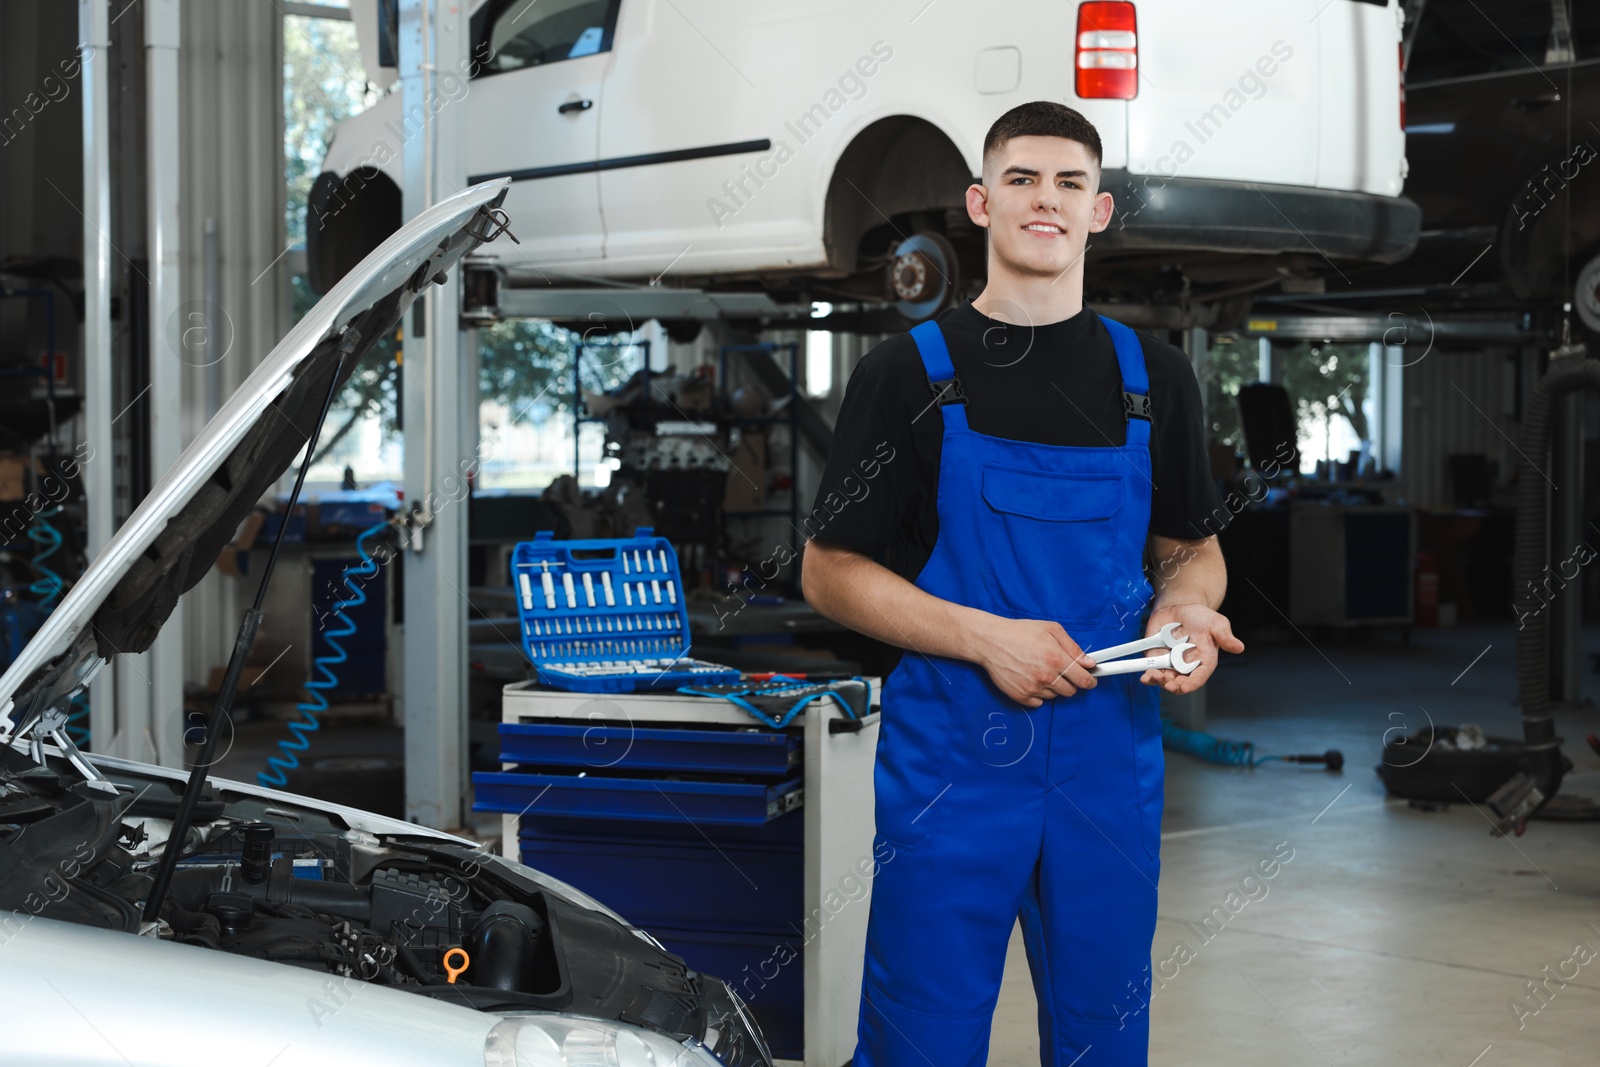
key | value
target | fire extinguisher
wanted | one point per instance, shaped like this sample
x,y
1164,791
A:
x,y
1427,600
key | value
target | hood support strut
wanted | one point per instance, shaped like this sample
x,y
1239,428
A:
x,y
248,628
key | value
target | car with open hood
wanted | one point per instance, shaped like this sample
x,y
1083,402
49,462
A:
x,y
155,916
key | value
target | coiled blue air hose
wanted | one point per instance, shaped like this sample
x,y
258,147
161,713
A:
x,y
1215,749
47,587
276,775
1210,748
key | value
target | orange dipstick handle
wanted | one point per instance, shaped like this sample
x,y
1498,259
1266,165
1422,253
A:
x,y
452,970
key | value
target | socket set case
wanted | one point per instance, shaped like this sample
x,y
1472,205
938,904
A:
x,y
607,615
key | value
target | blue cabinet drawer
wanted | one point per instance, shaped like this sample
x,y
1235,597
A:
x,y
721,878
658,799
767,971
625,747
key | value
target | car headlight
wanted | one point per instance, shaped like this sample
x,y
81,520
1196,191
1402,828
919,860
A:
x,y
564,1041
731,1034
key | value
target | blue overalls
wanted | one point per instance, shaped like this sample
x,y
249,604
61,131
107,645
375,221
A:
x,y
993,810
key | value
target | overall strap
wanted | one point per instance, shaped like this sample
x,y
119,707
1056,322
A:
x,y
941,374
1136,410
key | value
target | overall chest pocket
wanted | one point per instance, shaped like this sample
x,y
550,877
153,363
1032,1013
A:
x,y
1050,542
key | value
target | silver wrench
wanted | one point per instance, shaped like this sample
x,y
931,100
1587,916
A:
x,y
1166,637
1172,659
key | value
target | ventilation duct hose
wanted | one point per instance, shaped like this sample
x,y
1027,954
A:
x,y
1545,763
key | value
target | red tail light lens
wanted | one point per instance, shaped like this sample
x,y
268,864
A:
x,y
1400,50
1107,51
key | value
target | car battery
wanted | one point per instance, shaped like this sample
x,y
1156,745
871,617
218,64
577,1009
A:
x,y
607,615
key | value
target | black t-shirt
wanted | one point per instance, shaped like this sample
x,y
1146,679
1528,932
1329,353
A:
x,y
1056,384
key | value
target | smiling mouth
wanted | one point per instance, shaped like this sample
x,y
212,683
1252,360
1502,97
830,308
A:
x,y
1047,229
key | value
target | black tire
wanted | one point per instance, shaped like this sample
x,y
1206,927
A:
x,y
1586,304
1446,773
682,331
365,782
346,218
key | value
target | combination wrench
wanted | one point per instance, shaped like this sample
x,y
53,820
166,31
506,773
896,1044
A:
x,y
1171,659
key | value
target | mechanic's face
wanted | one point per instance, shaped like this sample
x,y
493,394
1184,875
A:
x,y
1039,201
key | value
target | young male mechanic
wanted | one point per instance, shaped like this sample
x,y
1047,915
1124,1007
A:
x,y
1023,453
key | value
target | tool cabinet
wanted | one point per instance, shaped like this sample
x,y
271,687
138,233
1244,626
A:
x,y
745,850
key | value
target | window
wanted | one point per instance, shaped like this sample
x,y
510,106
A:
x,y
323,85
529,33
1461,38
819,355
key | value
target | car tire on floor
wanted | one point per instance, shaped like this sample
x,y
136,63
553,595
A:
x,y
1444,772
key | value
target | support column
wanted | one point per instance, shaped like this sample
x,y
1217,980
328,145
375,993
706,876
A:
x,y
1197,344
159,738
1567,532
1189,710
94,49
1388,380
433,41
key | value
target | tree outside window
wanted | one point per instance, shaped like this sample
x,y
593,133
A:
x,y
1328,385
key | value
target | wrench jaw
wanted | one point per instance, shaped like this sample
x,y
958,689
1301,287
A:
x,y
1179,664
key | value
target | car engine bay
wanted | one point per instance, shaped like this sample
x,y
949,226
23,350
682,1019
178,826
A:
x,y
295,885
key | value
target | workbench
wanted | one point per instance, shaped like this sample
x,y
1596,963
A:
x,y
764,877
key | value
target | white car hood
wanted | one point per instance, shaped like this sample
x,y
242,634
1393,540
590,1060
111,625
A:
x,y
172,538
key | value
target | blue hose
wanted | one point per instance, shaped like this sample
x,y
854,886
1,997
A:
x,y
47,587
276,775
1210,748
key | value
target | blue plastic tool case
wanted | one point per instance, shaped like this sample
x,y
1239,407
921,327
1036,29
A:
x,y
607,615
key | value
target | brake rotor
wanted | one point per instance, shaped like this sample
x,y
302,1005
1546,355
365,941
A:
x,y
922,275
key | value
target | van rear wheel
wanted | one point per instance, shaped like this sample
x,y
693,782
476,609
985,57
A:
x,y
1586,302
346,218
922,276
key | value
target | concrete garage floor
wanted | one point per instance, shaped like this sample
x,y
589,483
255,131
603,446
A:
x,y
1393,935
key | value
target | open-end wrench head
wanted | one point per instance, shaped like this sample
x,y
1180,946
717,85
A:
x,y
1179,663
1167,635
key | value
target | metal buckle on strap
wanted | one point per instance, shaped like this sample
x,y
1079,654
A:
x,y
1136,406
948,392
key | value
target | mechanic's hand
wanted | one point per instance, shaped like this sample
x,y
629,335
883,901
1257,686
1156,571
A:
x,y
1208,630
1031,660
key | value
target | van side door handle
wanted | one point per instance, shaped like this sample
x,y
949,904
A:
x,y
574,105
1535,103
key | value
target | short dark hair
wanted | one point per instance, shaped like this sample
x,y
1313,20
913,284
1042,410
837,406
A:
x,y
1043,118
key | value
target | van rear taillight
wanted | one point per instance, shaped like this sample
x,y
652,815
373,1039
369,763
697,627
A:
x,y
1107,51
1402,49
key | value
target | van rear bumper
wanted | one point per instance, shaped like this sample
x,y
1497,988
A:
x,y
1254,217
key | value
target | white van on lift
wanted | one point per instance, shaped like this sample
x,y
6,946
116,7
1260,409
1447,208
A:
x,y
820,150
